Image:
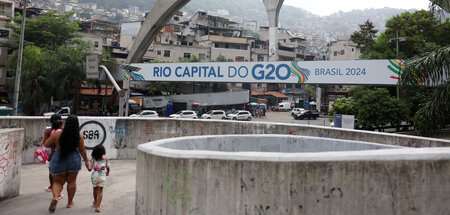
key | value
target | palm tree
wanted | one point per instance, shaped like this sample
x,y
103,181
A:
x,y
431,70
69,74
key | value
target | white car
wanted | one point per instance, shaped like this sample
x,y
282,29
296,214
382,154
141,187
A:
x,y
215,114
146,113
240,115
296,111
186,114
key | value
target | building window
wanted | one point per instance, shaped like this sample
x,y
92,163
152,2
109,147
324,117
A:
x,y
170,42
96,44
187,55
216,45
4,33
158,52
342,52
288,85
227,46
260,57
166,53
105,40
353,49
133,38
239,58
202,56
335,53
298,86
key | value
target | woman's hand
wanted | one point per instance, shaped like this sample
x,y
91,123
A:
x,y
86,163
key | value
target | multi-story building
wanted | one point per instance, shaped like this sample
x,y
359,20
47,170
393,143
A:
x,y
343,49
6,9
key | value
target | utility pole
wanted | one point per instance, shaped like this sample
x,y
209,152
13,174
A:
x,y
19,59
397,39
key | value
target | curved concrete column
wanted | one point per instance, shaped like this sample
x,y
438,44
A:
x,y
285,174
160,14
273,8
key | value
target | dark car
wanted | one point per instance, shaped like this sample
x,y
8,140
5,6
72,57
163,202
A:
x,y
306,114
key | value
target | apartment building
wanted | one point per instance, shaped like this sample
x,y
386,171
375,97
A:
x,y
343,49
6,9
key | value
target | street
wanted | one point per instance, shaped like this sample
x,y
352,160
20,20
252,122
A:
x,y
285,117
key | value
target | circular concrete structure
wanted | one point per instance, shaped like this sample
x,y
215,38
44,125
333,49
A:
x,y
286,174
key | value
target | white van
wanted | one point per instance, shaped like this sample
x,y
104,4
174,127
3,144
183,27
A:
x,y
284,106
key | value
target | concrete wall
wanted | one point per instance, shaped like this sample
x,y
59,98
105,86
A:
x,y
120,136
11,143
383,181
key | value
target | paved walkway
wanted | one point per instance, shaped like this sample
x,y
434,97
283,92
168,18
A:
x,y
118,196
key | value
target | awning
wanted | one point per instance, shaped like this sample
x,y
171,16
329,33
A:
x,y
274,94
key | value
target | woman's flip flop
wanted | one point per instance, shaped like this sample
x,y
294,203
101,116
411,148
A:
x,y
52,206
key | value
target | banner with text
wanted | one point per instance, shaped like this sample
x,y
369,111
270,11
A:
x,y
371,72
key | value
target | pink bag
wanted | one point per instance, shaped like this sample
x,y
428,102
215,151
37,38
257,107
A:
x,y
41,154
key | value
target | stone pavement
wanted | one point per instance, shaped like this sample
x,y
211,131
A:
x,y
118,195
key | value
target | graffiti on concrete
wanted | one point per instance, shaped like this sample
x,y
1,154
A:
x,y
176,190
254,187
121,132
7,155
93,132
328,134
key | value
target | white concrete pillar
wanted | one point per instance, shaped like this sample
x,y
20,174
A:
x,y
273,11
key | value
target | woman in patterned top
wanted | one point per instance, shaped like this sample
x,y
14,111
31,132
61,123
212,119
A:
x,y
98,163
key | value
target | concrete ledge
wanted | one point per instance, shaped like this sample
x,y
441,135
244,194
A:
x,y
121,136
285,148
184,176
11,143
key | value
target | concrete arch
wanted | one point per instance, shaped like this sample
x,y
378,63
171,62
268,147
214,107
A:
x,y
163,10
160,14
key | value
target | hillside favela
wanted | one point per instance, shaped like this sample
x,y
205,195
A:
x,y
205,107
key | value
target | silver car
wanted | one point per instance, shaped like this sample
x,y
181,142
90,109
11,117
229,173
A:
x,y
215,114
185,114
146,113
240,115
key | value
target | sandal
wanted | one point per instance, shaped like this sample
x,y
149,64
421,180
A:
x,y
94,205
52,205
48,189
60,196
97,210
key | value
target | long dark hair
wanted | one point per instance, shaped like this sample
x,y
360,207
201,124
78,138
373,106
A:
x,y
98,152
70,136
56,121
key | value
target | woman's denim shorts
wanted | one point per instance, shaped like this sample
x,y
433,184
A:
x,y
71,163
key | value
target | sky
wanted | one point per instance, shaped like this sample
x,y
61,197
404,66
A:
x,y
327,7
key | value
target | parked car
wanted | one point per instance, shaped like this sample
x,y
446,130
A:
x,y
185,114
306,114
240,115
65,111
146,113
215,114
296,110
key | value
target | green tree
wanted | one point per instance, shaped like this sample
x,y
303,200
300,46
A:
x,y
33,78
48,31
422,31
432,71
366,36
342,106
376,108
